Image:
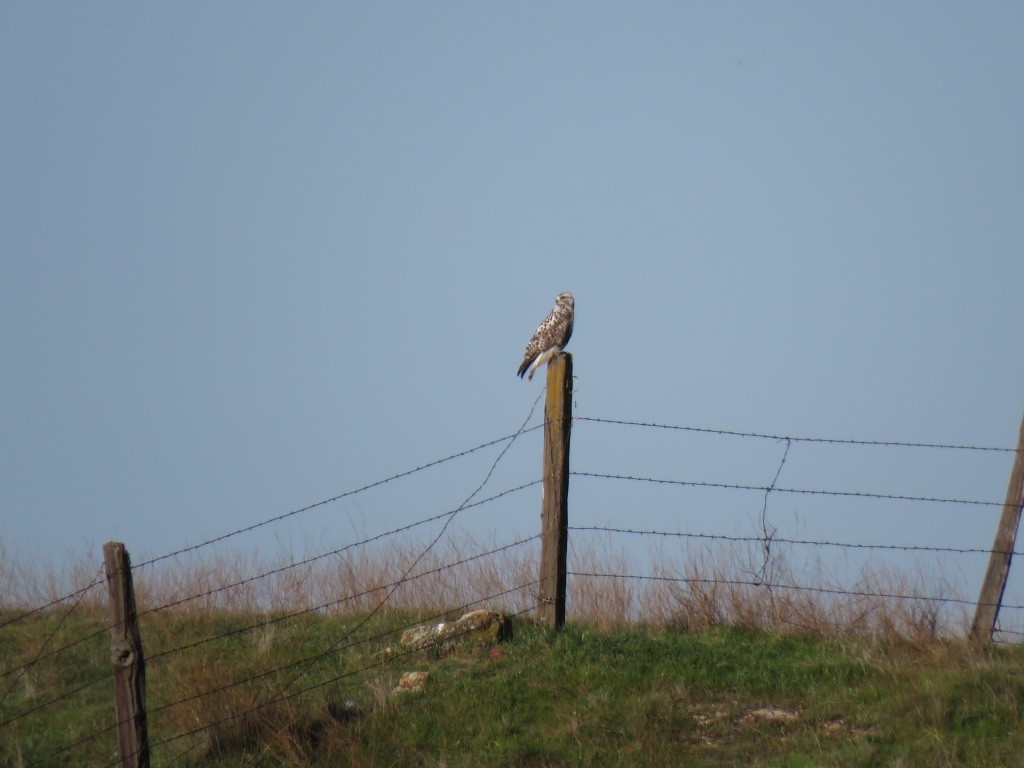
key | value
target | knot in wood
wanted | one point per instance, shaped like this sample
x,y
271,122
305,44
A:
x,y
122,654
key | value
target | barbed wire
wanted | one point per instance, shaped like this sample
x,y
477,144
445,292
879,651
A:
x,y
338,551
338,497
796,587
49,702
57,601
808,542
768,536
265,574
323,683
467,503
291,513
39,654
805,491
593,419
687,483
1014,632
260,705
274,620
44,657
271,621
346,599
495,441
345,641
796,439
519,587
600,529
379,636
490,472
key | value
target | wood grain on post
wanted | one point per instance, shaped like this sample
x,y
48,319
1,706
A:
x,y
127,659
555,492
991,596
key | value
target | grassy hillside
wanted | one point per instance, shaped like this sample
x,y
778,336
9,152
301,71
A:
x,y
590,697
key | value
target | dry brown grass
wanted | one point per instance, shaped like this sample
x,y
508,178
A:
x,y
691,588
701,587
223,655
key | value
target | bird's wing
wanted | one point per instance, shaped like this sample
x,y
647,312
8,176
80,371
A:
x,y
540,341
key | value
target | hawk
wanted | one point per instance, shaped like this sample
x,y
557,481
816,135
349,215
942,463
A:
x,y
551,336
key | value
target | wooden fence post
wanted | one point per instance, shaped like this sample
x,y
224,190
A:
x,y
126,656
991,596
555,492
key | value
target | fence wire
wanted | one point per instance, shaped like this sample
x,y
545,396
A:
x,y
278,518
263,575
389,588
300,668
834,591
775,489
797,439
783,540
286,695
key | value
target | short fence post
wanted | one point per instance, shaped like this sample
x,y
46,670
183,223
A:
x,y
555,492
127,658
991,596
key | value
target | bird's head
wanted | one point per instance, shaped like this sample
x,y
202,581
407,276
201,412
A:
x,y
564,299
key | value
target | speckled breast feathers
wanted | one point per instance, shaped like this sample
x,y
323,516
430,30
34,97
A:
x,y
551,336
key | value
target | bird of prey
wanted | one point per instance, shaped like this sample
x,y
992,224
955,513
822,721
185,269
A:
x,y
551,336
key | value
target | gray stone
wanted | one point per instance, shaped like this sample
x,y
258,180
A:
x,y
475,627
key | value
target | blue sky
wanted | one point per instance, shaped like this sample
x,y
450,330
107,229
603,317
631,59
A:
x,y
255,255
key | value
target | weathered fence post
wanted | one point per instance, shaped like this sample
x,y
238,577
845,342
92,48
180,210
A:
x,y
991,596
126,656
555,492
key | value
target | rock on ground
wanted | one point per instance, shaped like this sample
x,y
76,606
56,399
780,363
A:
x,y
412,682
482,626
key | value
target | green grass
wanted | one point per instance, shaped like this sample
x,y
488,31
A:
x,y
581,697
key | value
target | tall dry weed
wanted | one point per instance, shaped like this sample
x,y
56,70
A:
x,y
685,588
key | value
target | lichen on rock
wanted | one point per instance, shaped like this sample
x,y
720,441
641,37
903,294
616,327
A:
x,y
483,626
